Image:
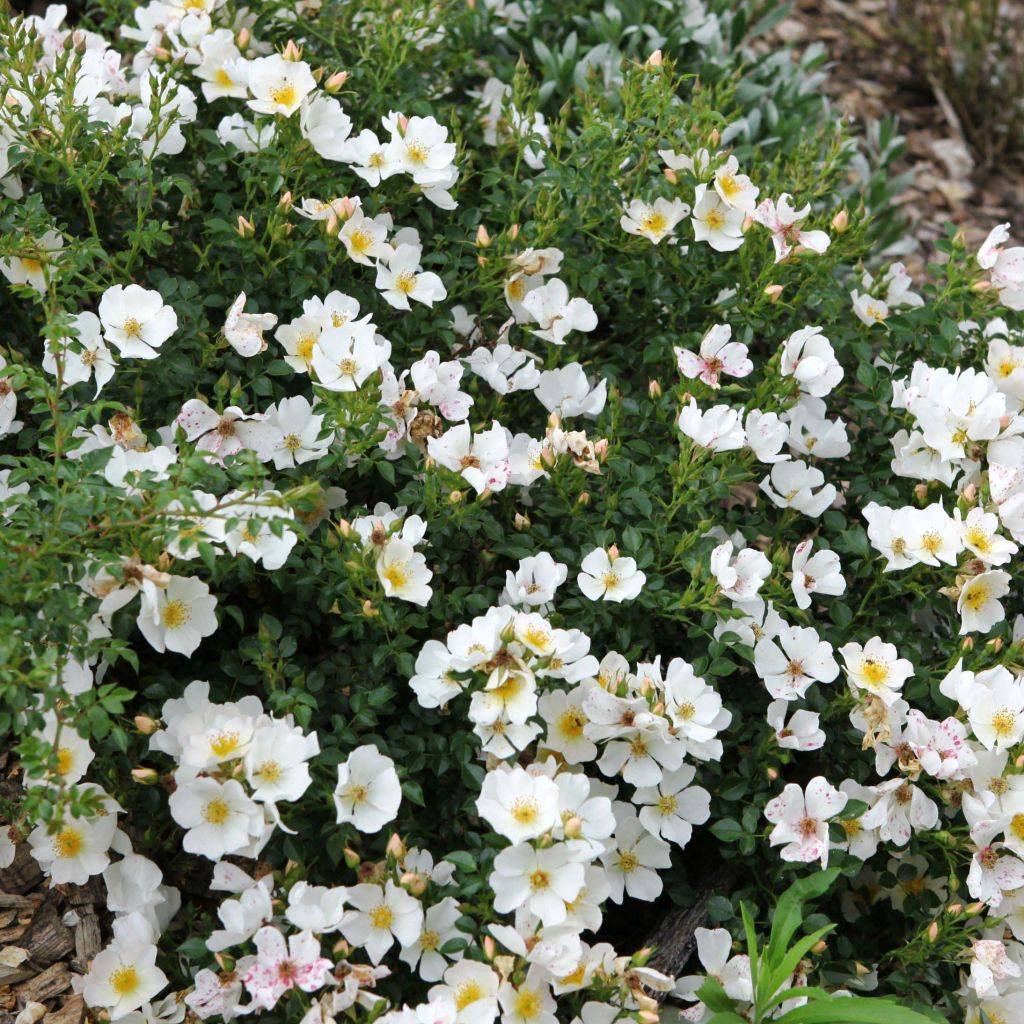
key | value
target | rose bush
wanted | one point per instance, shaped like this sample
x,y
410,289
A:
x,y
469,470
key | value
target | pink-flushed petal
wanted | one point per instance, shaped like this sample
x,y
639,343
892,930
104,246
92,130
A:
x,y
824,801
788,805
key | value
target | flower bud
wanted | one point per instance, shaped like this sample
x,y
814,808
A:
x,y
341,948
344,527
145,725
772,773
285,203
368,610
584,498
336,81
1019,761
656,60
403,123
861,969
654,389
352,859
648,1017
933,931
819,947
292,51
489,947
670,176
346,206
954,909
483,238
974,908
332,225
613,552
246,228
970,492
513,232
521,522
411,882
641,957
244,36
981,286
455,497
748,223
967,643
921,491
773,292
841,221
601,449
573,828
715,137
395,847
145,776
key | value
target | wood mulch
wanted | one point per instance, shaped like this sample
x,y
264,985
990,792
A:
x,y
47,935
871,77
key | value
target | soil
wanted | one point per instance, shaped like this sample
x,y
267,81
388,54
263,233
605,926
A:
x,y
870,77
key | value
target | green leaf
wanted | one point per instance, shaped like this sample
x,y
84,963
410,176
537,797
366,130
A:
x,y
854,1010
789,911
728,830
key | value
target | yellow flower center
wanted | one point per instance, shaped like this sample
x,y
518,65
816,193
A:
x,y
284,95
429,941
686,711
931,542
124,981
539,880
292,442
874,671
610,580
654,222
132,327
69,842
361,241
976,597
406,282
224,744
381,916
571,722
628,862
978,539
175,614
304,348
417,151
468,992
269,771
216,811
348,367
223,78
730,186
667,805
524,810
527,1003
537,636
715,219
1003,722
358,793
65,760
396,575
